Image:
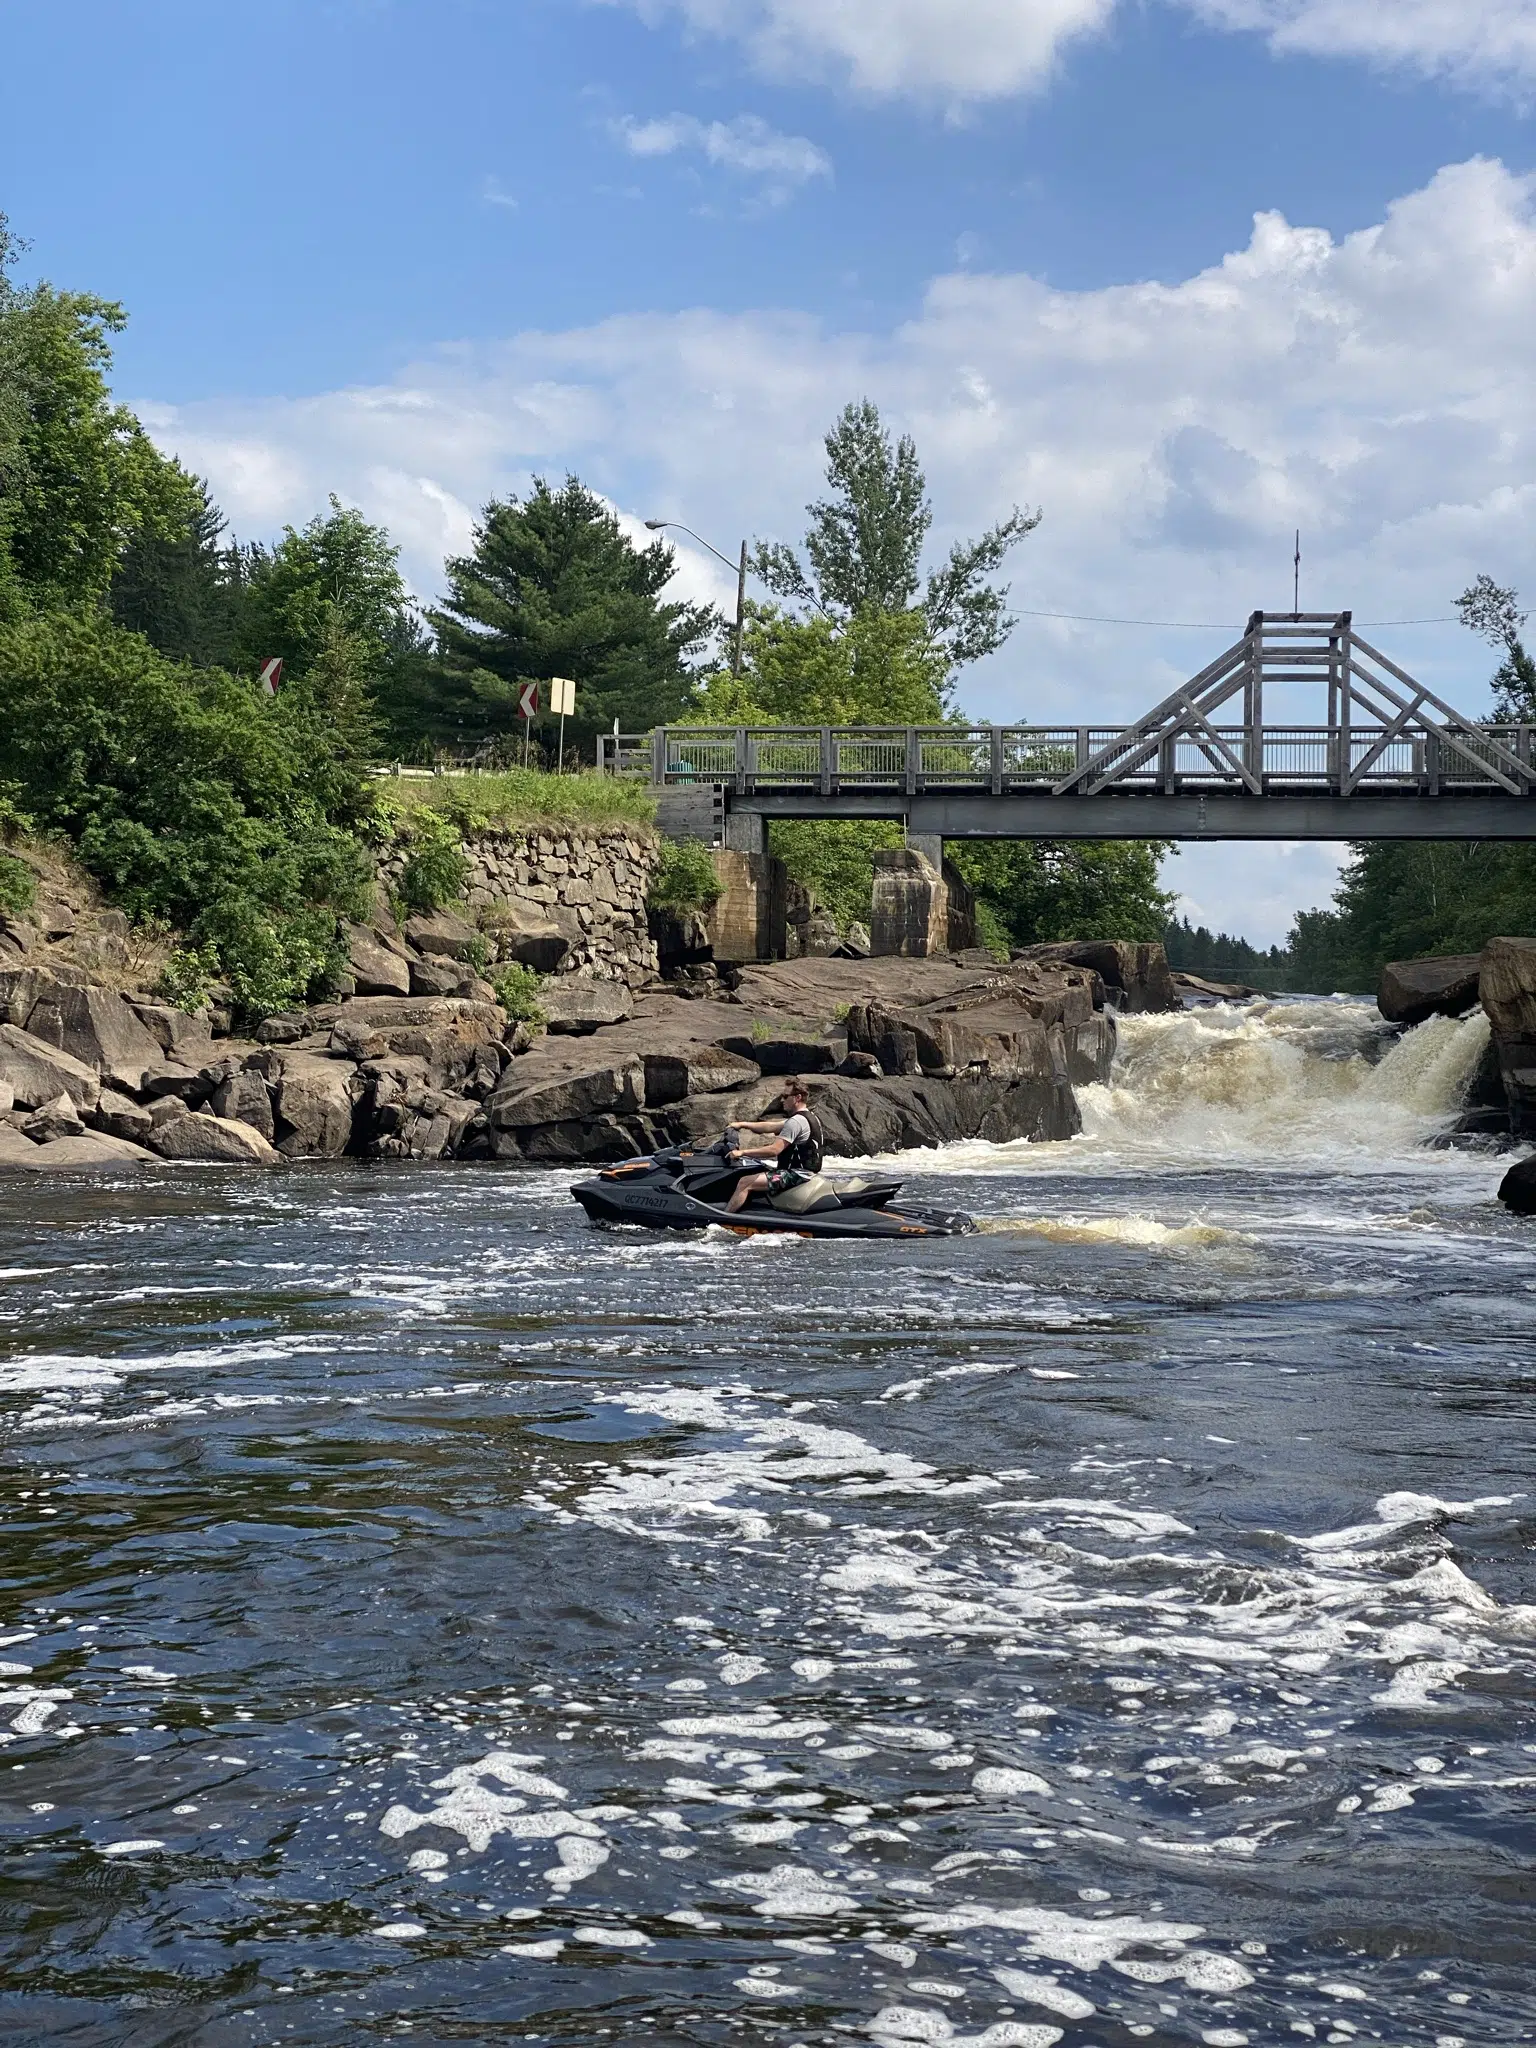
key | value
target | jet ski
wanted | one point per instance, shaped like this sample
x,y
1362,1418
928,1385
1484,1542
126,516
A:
x,y
686,1189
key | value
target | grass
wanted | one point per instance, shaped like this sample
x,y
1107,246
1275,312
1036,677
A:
x,y
521,798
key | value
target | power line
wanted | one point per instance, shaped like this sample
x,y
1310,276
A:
x,y
1206,626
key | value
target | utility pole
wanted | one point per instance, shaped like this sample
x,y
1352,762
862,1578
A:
x,y
741,610
740,566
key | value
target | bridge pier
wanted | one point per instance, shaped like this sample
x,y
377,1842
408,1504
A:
x,y
746,831
929,844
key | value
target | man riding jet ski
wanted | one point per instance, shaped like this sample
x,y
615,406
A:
x,y
772,1185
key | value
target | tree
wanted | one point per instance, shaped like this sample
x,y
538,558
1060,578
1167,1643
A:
x,y
1493,614
876,668
181,589
864,546
79,477
338,574
553,587
1033,890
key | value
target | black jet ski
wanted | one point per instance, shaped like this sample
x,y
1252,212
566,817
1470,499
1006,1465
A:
x,y
678,1189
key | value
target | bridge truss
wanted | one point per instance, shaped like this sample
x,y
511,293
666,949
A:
x,y
1392,761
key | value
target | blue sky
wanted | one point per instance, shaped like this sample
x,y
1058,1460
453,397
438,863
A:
x,y
416,253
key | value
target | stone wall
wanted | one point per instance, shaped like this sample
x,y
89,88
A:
x,y
590,886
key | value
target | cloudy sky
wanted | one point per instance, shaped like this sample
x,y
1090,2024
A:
x,y
1185,274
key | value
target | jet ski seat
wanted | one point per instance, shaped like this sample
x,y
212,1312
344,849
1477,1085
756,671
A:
x,y
815,1193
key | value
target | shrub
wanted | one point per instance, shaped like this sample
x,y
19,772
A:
x,y
517,990
477,954
436,869
272,960
18,886
187,976
685,877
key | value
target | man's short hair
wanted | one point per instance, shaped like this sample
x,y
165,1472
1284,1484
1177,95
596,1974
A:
x,y
792,1085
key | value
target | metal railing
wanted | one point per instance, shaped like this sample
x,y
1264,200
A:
x,y
1426,758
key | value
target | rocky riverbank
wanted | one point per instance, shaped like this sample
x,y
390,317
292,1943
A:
x,y
898,1052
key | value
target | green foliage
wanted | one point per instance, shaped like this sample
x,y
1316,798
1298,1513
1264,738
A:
x,y
526,797
1219,956
336,578
436,868
477,954
554,587
834,858
1398,900
1035,890
865,542
177,586
1494,614
188,795
517,991
187,976
684,877
18,886
872,668
79,477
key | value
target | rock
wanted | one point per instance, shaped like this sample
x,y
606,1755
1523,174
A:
x,y
438,975
856,942
441,1030
89,1153
442,931
120,1117
15,1150
314,1108
533,941
520,1104
784,1055
20,988
378,968
36,1072
1506,986
244,1098
1136,974
56,1119
7,1098
96,1027
1517,1190
1195,987
187,1083
282,1028
695,1070
212,1140
860,1066
570,1005
165,1110
1411,990
185,1037
55,917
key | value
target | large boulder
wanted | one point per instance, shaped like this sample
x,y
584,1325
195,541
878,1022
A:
x,y
119,1116
695,1070
56,1119
314,1108
245,1098
440,975
1411,990
37,1072
587,1089
442,931
91,1152
1506,986
784,1053
444,1031
98,1028
1517,1190
183,1036
199,1138
1135,973
379,968
575,1006
522,935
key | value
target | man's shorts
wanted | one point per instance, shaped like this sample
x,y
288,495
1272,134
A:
x,y
783,1177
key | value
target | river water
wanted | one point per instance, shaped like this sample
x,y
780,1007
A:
x,y
428,1617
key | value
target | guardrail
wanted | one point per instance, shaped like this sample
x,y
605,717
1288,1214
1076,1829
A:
x,y
1427,759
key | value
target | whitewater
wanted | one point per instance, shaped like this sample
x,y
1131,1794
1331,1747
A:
x,y
428,1617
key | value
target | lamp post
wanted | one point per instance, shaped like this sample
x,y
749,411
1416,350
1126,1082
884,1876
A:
x,y
658,525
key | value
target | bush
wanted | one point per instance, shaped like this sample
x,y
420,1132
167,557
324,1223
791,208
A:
x,y
685,877
187,977
436,869
18,886
518,797
517,990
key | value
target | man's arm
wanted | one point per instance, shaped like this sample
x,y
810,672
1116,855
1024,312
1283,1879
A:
x,y
770,1148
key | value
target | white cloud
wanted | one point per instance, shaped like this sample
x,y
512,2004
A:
x,y
958,51
1373,390
746,145
949,50
1485,42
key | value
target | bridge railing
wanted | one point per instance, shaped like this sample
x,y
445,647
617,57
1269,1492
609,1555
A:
x,y
1287,759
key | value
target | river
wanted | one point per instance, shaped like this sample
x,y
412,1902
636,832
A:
x,y
428,1617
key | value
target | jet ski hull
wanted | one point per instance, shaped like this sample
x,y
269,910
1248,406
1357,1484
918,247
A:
x,y
671,1209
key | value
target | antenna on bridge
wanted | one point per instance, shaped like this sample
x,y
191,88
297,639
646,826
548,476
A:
x,y
1296,579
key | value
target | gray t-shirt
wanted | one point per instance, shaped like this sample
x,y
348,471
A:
x,y
796,1129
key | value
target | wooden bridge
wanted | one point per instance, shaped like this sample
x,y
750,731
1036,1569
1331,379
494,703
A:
x,y
1392,761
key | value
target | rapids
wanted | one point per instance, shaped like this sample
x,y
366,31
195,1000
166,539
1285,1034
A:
x,y
427,1617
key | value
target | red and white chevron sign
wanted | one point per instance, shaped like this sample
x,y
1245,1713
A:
x,y
271,674
528,701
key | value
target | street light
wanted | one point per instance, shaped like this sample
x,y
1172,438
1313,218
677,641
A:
x,y
657,526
